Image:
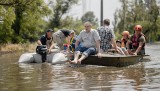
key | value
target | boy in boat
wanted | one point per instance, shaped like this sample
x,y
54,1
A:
x,y
137,41
60,36
90,44
107,37
47,39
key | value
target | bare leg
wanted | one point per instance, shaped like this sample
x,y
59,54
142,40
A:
x,y
82,58
120,51
76,56
126,52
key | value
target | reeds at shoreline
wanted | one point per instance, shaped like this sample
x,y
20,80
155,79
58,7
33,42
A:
x,y
30,47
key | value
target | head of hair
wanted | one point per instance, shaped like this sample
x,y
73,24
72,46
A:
x,y
87,24
49,30
118,41
106,22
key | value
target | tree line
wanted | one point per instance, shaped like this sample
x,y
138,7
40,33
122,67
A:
x,y
143,12
24,21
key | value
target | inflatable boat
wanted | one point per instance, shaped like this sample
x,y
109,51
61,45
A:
x,y
55,57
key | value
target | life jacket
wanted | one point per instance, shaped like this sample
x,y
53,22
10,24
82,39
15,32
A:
x,y
135,41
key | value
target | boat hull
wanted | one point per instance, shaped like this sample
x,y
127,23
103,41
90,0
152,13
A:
x,y
113,60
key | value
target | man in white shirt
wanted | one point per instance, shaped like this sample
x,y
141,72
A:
x,y
89,44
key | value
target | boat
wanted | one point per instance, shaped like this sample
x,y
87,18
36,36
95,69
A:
x,y
55,57
62,57
115,60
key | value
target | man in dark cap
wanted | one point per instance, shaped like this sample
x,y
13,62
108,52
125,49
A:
x,y
47,40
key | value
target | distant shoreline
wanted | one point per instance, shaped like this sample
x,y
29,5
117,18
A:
x,y
10,48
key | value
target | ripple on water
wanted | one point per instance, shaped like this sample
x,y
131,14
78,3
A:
x,y
143,76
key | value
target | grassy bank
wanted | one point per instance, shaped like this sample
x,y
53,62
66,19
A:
x,y
7,48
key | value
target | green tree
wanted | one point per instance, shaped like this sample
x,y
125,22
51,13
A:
x,y
27,19
60,8
138,12
6,22
89,16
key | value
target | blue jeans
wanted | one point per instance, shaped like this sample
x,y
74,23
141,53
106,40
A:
x,y
86,51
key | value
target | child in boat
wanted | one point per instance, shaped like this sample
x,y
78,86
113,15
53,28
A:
x,y
119,43
125,38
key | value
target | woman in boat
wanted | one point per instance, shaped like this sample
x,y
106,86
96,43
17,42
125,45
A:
x,y
60,36
47,39
137,40
124,39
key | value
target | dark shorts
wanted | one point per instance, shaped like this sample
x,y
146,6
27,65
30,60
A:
x,y
86,51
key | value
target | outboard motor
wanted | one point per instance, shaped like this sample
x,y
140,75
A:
x,y
42,50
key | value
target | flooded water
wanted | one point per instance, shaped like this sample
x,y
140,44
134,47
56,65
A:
x,y
144,76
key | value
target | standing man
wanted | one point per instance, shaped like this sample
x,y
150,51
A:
x,y
47,40
107,37
60,36
90,44
137,41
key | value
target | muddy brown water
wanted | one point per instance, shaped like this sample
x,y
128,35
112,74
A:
x,y
144,76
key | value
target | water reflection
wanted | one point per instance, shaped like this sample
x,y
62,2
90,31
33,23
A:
x,y
46,77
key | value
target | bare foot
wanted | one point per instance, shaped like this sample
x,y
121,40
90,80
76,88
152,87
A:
x,y
78,62
73,62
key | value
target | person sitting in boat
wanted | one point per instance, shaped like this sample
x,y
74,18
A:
x,y
119,47
47,40
107,37
119,43
137,41
89,44
124,39
61,36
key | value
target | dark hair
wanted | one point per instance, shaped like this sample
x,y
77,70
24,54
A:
x,y
118,41
49,30
106,22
